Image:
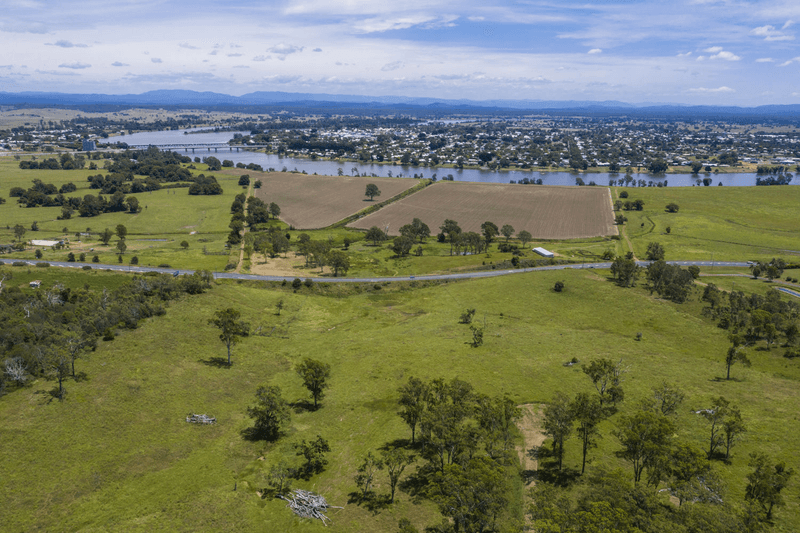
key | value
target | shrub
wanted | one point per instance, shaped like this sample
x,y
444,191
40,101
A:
x,y
19,263
86,267
70,257
308,283
623,194
96,259
166,265
559,286
42,265
297,283
135,260
82,257
108,335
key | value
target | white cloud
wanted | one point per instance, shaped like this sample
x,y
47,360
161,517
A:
x,y
595,51
719,53
283,50
789,62
235,55
765,60
722,89
787,24
261,58
75,66
769,33
67,44
189,46
687,54
119,64
392,66
283,79
317,50
156,60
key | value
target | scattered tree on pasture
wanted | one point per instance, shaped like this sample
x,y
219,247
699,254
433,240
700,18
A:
x,y
231,328
270,412
315,376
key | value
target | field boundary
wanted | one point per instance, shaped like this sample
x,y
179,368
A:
x,y
375,208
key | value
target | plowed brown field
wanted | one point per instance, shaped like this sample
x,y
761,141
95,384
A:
x,y
546,212
310,202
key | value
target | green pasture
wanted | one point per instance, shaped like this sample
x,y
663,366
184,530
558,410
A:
x,y
117,455
732,223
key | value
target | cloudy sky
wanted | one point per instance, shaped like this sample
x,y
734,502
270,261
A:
x,y
739,52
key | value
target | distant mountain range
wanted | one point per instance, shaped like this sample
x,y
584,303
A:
x,y
274,98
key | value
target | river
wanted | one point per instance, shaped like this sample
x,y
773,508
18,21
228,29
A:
x,y
331,168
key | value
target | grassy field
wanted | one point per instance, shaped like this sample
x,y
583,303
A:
x,y
545,212
168,217
116,455
732,223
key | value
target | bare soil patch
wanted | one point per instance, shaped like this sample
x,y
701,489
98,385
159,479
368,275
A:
x,y
291,266
546,212
312,202
530,425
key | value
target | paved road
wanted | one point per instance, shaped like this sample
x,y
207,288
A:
x,y
461,275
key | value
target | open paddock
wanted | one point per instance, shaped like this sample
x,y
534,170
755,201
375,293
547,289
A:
x,y
310,202
545,212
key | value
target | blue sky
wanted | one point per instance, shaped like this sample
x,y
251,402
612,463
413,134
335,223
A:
x,y
726,52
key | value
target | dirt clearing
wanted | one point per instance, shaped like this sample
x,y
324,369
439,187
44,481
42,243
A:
x,y
312,202
545,212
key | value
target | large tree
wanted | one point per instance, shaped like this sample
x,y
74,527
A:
x,y
270,412
396,460
524,237
766,482
372,191
315,376
587,412
412,403
558,423
376,235
231,328
655,252
645,438
339,262
507,231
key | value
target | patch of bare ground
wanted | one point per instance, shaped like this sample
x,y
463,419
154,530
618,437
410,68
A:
x,y
545,212
312,202
293,265
530,426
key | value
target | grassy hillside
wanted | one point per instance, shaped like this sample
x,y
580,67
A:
x,y
117,455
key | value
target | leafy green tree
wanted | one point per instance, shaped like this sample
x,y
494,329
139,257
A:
x,y
231,328
587,412
672,207
315,376
490,231
497,419
314,454
339,262
274,210
412,403
372,191
645,438
366,473
451,230
376,235
471,495
122,231
507,231
625,271
766,482
244,180
396,460
735,354
667,398
733,428
213,163
716,415
105,236
121,246
270,412
606,376
185,245
401,245
558,423
19,231
655,252
525,237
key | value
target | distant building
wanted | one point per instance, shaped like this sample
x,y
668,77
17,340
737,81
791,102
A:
x,y
543,252
89,146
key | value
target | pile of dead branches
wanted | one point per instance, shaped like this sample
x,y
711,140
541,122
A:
x,y
308,505
200,419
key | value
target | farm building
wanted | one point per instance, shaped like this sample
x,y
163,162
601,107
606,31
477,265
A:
x,y
543,252
35,284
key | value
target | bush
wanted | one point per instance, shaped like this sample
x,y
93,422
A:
x,y
165,265
82,257
623,194
135,260
70,257
86,267
96,259
108,335
308,283
297,283
559,286
42,265
19,263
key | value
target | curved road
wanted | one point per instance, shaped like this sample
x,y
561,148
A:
x,y
461,275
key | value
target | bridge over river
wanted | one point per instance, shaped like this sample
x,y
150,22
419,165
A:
x,y
207,146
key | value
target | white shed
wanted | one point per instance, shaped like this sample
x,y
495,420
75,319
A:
x,y
543,252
